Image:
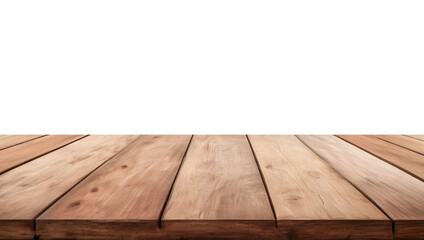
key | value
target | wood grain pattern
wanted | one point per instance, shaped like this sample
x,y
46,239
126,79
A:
x,y
405,159
222,229
12,140
419,137
99,229
132,186
320,229
398,194
303,187
22,153
219,180
27,190
335,229
404,141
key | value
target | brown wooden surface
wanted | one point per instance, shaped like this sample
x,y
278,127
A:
x,y
219,180
22,153
335,229
222,229
138,187
404,141
134,185
419,137
12,140
303,187
28,190
405,159
397,193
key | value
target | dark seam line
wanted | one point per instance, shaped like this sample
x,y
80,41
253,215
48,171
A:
x,y
78,182
34,158
393,228
400,146
16,144
263,181
357,188
173,183
393,164
413,138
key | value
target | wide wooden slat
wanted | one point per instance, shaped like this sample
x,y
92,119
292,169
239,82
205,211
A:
x,y
304,189
29,189
12,140
121,199
419,137
219,192
404,141
22,153
397,193
405,159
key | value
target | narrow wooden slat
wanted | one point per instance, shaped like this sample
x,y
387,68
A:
x,y
404,141
12,140
398,194
22,153
419,137
306,191
126,195
219,192
27,190
405,159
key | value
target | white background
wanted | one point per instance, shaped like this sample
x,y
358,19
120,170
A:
x,y
233,67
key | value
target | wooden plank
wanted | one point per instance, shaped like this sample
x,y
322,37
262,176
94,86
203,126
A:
x,y
29,189
12,140
405,159
404,141
398,194
419,137
22,153
127,194
306,191
219,192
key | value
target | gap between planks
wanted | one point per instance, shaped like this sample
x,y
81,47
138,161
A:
x,y
357,188
173,182
25,141
264,182
182,162
385,160
76,184
399,145
41,155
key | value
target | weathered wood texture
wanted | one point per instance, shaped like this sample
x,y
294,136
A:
x,y
404,141
140,187
220,181
131,189
22,153
405,159
7,141
28,190
303,187
398,194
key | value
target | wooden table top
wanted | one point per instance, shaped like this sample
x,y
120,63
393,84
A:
x,y
211,186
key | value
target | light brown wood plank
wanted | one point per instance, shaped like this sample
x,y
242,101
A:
x,y
130,190
12,140
219,181
405,159
418,137
404,141
27,190
398,194
22,153
304,188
